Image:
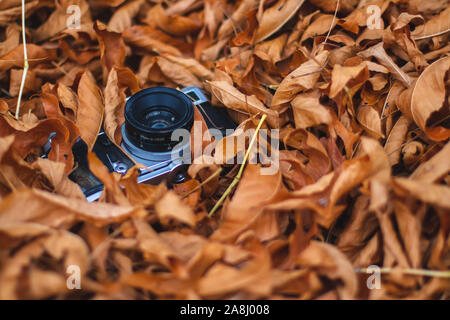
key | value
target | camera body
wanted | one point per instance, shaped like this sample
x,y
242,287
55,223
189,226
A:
x,y
151,116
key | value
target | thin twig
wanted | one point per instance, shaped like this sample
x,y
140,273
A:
x,y
25,61
432,35
241,169
215,174
332,22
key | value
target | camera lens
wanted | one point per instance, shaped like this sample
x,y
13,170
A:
x,y
153,114
160,118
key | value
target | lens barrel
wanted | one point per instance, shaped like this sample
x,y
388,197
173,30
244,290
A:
x,y
153,114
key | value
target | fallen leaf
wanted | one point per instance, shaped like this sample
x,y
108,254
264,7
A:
x,y
245,208
31,205
171,207
232,98
123,17
172,24
308,111
91,109
436,26
275,17
302,78
383,58
429,106
57,21
11,39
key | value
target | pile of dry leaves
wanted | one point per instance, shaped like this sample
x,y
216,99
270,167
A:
x,y
362,105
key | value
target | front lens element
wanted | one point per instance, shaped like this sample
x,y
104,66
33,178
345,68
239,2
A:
x,y
160,118
153,114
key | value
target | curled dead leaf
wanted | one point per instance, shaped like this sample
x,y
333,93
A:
x,y
429,104
91,109
275,17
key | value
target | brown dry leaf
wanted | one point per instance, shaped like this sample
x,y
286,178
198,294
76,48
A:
x,y
318,162
321,25
194,66
164,285
55,173
345,82
328,261
213,15
362,15
35,135
112,48
378,81
395,139
177,73
412,153
237,17
14,58
140,194
57,21
13,234
436,26
31,83
221,279
112,192
170,206
68,99
187,246
61,246
226,149
11,39
211,53
152,40
429,106
356,240
188,188
434,194
246,207
275,17
435,168
15,172
106,3
31,205
155,248
123,17
53,110
10,11
234,99
247,36
370,120
392,249
403,101
271,50
322,196
204,170
172,24
398,37
410,230
114,108
343,77
383,58
330,6
308,111
91,109
303,78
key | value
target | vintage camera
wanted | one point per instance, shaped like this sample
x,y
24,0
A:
x,y
151,116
